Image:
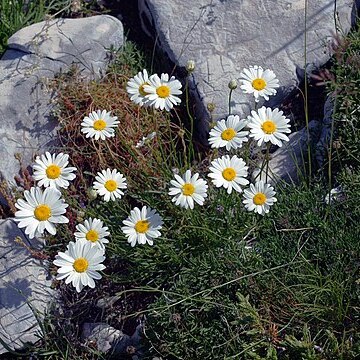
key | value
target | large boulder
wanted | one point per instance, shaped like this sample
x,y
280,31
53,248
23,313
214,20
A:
x,y
224,36
36,53
25,290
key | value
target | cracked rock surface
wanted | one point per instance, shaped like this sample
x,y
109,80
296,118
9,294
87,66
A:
x,y
36,53
24,289
224,36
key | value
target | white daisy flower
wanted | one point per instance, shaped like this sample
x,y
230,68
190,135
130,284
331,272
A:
x,y
109,184
80,264
229,173
268,125
162,91
40,211
228,133
52,170
135,88
188,189
142,226
99,124
93,231
259,82
259,197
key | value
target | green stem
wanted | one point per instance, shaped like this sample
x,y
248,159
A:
x,y
231,90
267,157
191,148
306,93
183,133
330,150
263,162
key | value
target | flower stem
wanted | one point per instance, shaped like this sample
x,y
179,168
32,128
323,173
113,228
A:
x,y
267,157
191,147
230,93
265,160
330,151
306,93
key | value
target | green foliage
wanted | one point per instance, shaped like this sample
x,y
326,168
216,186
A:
x,y
218,299
16,14
346,98
128,57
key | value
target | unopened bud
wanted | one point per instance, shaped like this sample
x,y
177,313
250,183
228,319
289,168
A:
x,y
190,66
233,84
211,107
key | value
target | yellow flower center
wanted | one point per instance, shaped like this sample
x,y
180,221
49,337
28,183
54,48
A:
x,y
163,91
259,199
228,134
188,189
111,185
53,171
42,212
142,226
142,91
268,127
229,174
80,265
259,84
99,124
92,236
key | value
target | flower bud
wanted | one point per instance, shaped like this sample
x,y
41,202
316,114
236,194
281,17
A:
x,y
190,66
211,107
233,84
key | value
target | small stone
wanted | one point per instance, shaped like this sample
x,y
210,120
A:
x,y
107,339
104,337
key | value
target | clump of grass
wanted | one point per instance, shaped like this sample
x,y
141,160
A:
x,y
344,88
220,297
17,14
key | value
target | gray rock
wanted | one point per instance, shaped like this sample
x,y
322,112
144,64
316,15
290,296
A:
x,y
224,36
109,340
104,336
36,53
322,146
24,289
287,163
